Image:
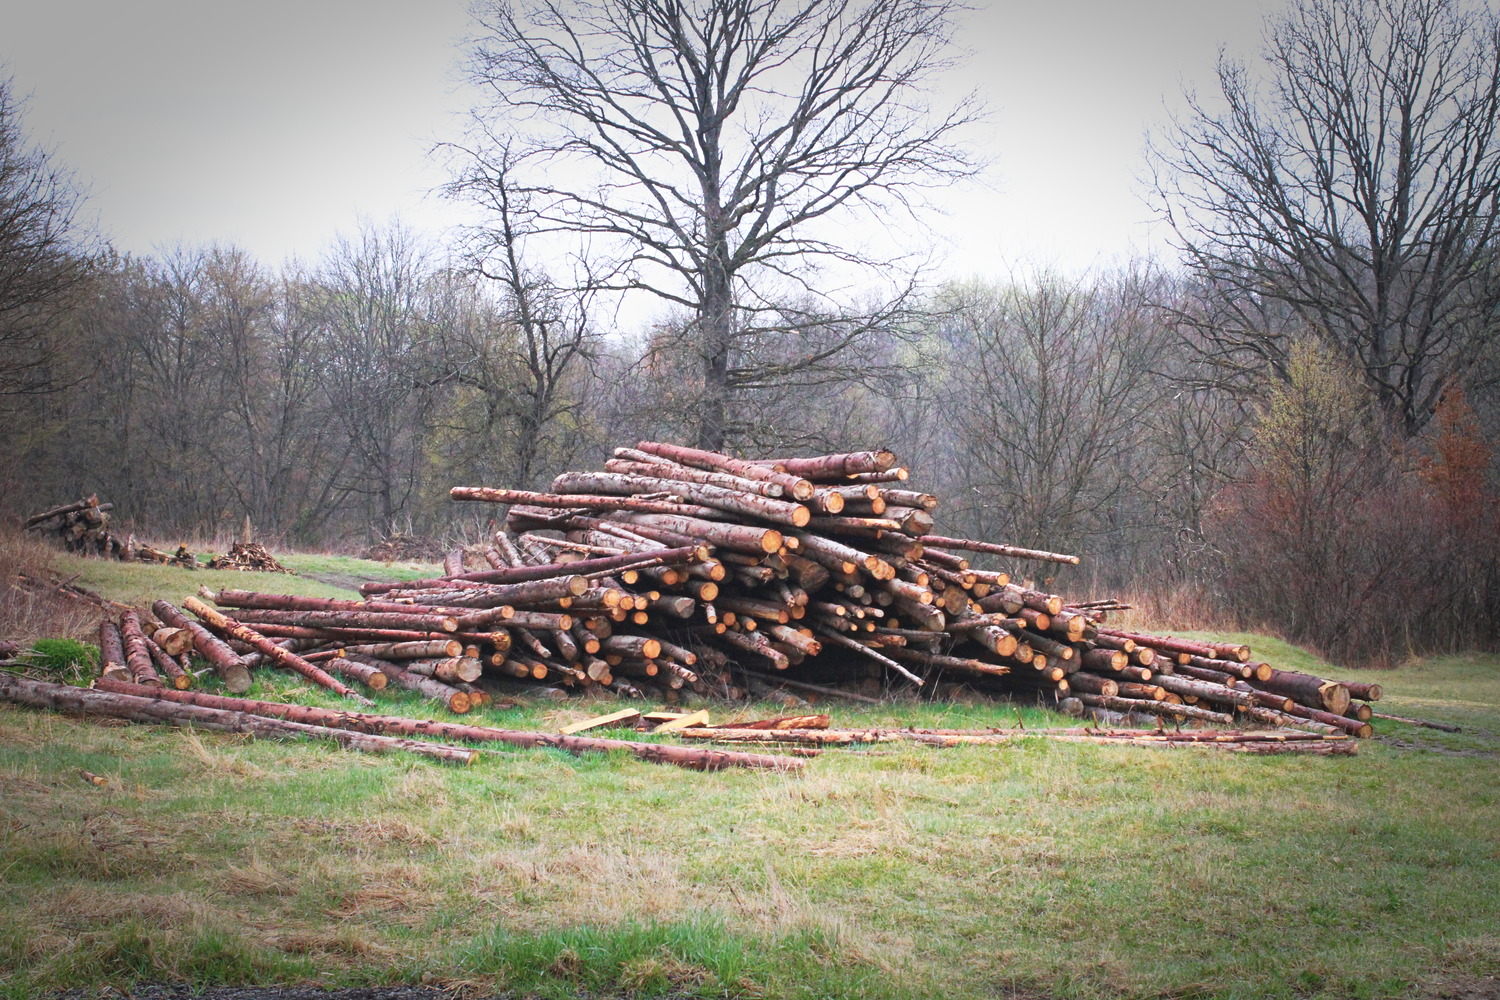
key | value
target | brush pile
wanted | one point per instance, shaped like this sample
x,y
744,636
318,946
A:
x,y
82,527
250,557
677,572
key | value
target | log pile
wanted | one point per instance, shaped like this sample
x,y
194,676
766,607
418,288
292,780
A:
x,y
676,572
83,528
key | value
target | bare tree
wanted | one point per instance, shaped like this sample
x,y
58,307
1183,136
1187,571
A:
x,y
719,142
550,338
42,257
1046,383
1351,193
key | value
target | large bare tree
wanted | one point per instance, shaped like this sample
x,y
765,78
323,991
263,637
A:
x,y
721,144
1350,193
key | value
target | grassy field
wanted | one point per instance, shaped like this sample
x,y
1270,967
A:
x,y
1032,870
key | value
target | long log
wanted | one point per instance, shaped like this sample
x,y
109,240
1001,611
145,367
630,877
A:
x,y
642,463
674,556
411,620
1427,723
839,639
656,753
941,661
578,501
833,467
456,701
1014,552
1154,708
501,594
228,664
271,651
67,508
152,704
734,501
735,537
799,488
418,650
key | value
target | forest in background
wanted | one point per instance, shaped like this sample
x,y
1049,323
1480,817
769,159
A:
x,y
1292,422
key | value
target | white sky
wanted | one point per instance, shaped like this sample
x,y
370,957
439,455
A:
x,y
276,124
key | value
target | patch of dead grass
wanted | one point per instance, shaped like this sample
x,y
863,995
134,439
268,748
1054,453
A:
x,y
255,878
27,614
86,908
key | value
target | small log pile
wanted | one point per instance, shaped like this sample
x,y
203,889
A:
x,y
249,557
83,528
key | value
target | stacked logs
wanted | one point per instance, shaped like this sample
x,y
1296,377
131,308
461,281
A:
x,y
676,571
83,528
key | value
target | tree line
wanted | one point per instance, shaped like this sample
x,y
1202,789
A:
x,y
1291,421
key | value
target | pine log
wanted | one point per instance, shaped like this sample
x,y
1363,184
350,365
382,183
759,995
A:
x,y
1187,686
640,463
1308,690
735,537
420,650
1354,727
658,753
454,700
410,620
270,650
1154,708
939,661
1014,552
228,664
137,653
833,467
178,677
796,486
112,651
174,641
734,501
524,574
159,705
67,508
1427,723
1363,691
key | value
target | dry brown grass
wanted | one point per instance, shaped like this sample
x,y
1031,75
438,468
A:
x,y
26,614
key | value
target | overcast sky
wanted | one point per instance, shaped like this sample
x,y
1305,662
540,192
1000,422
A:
x,y
276,124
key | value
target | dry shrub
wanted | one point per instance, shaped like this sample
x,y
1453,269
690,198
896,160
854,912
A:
x,y
1348,539
28,614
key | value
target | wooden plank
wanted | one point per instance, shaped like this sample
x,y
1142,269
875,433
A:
x,y
599,721
699,718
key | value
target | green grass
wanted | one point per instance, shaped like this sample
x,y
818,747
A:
x,y
314,576
1033,869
